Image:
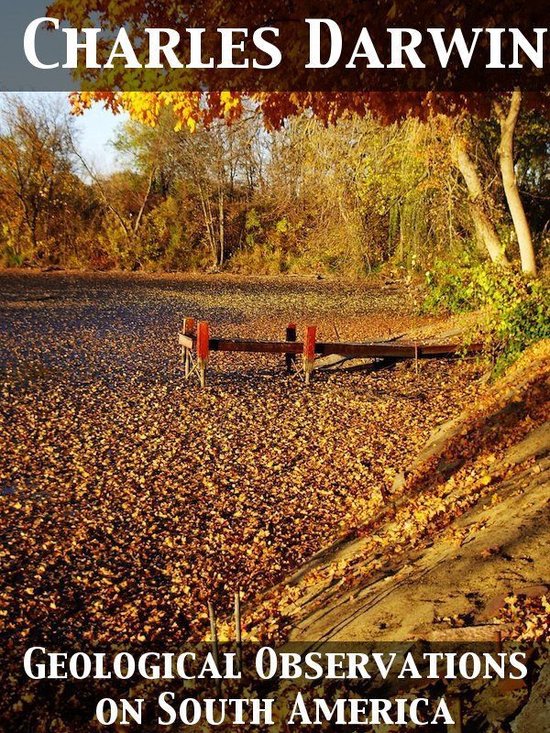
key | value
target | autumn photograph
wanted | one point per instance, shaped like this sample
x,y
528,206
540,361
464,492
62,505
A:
x,y
274,367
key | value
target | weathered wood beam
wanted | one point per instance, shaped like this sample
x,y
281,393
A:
x,y
379,350
256,347
359,350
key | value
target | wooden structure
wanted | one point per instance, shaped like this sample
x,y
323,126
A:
x,y
196,345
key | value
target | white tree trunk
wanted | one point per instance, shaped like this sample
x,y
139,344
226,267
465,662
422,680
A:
x,y
484,227
506,157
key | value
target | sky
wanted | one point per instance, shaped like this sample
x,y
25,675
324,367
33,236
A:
x,y
96,129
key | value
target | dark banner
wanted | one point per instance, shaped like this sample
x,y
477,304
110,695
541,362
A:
x,y
284,45
345,686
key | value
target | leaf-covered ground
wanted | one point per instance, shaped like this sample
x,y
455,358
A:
x,y
129,497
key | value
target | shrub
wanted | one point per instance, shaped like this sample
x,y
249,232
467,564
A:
x,y
516,308
9,257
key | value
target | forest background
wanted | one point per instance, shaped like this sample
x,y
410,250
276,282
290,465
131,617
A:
x,y
309,198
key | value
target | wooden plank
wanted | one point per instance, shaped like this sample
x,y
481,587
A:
x,y
434,350
187,341
380,350
188,326
362,350
256,347
395,350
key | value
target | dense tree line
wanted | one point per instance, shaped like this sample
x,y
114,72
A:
x,y
344,198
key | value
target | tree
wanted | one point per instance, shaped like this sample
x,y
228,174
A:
x,y
192,107
508,121
36,169
221,164
125,195
478,201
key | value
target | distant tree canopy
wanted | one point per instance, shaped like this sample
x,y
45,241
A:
x,y
344,198
190,109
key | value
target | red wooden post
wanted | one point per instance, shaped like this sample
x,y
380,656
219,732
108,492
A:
x,y
290,336
309,343
203,341
203,349
309,351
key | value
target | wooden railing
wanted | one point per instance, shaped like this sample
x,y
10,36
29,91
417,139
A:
x,y
197,344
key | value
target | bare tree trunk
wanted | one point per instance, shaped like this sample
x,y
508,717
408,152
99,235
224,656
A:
x,y
107,199
506,157
221,223
207,214
146,195
485,229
